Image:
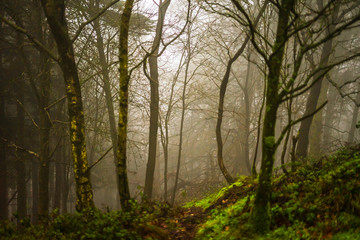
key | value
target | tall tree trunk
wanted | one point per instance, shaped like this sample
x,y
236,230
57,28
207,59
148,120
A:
x,y
107,85
20,163
123,185
35,190
154,100
247,100
260,217
315,135
106,81
183,98
354,120
303,143
3,164
59,181
329,118
65,175
55,13
45,126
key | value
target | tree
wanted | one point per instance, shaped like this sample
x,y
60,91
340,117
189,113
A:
x,y
312,102
123,185
223,87
55,14
154,98
280,90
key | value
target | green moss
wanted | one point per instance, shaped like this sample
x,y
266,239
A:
x,y
205,203
270,141
222,223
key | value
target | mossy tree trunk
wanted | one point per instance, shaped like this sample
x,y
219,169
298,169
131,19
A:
x,y
260,218
55,13
123,185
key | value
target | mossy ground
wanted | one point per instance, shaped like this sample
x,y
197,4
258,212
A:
x,y
318,201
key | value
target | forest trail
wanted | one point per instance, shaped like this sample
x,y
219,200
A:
x,y
186,223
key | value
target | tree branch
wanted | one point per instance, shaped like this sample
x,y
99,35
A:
x,y
31,38
92,19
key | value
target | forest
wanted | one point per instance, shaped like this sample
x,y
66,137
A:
x,y
179,119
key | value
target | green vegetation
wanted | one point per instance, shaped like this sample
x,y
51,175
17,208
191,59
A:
x,y
318,201
315,202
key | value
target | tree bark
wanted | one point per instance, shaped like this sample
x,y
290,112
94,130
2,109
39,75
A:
x,y
123,185
55,13
260,217
154,100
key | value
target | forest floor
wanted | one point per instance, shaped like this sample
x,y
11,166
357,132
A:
x,y
320,200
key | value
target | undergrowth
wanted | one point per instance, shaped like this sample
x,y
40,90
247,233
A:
x,y
317,201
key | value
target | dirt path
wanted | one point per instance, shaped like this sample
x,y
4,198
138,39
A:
x,y
181,223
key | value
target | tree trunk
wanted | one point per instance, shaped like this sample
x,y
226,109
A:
x,y
65,175
45,126
106,81
59,181
223,87
154,100
260,217
165,136
303,143
186,81
20,158
3,164
247,116
354,120
35,190
55,13
329,118
123,185
315,135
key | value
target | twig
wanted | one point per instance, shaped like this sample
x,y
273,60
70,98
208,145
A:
x,y
101,158
13,145
27,113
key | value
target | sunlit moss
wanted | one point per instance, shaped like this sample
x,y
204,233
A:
x,y
212,198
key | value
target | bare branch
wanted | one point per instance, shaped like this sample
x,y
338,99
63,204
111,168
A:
x,y
92,19
31,38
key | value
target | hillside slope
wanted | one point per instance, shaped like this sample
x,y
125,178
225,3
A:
x,y
318,201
